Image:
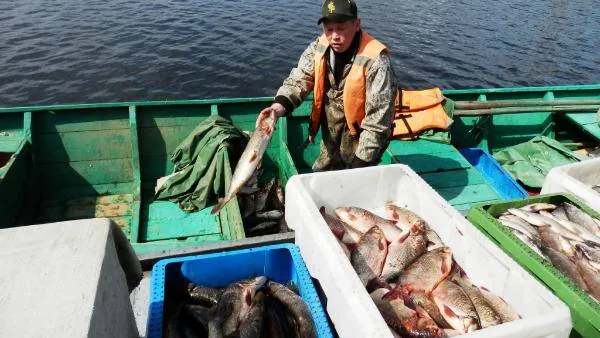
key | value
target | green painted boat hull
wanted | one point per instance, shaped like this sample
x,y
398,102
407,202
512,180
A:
x,y
102,160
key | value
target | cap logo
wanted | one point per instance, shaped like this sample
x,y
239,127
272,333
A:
x,y
331,7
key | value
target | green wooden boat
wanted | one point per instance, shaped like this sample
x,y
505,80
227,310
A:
x,y
102,160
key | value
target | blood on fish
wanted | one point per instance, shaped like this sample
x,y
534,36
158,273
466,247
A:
x,y
448,311
254,157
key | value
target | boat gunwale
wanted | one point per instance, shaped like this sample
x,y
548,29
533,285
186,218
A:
x,y
217,101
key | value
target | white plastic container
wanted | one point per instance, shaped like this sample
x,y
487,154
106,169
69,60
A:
x,y
576,179
348,303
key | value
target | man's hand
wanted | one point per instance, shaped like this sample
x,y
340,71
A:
x,y
275,111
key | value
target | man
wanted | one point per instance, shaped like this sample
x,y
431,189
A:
x,y
354,91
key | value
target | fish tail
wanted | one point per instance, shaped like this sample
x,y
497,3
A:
x,y
219,206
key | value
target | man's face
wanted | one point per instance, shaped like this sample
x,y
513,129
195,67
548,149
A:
x,y
340,34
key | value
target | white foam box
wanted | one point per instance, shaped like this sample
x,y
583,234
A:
x,y
348,304
63,280
576,179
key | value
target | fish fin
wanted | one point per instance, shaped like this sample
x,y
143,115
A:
x,y
254,156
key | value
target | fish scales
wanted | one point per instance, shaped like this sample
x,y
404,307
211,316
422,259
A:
x,y
248,162
425,273
363,220
401,253
456,307
369,256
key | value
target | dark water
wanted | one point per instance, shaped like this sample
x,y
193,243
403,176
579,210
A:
x,y
99,51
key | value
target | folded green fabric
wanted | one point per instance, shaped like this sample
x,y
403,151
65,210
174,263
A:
x,y
199,164
531,161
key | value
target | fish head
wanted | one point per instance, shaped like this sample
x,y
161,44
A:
x,y
462,324
346,214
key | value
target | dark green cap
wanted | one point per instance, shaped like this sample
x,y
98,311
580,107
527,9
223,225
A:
x,y
338,10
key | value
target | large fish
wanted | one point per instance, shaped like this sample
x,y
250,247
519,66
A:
x,y
204,295
517,227
235,302
500,306
404,218
252,325
523,226
592,254
456,307
401,318
425,273
369,256
363,220
423,301
564,265
540,221
334,223
249,161
487,316
433,239
536,207
401,253
296,307
347,234
551,239
577,216
590,276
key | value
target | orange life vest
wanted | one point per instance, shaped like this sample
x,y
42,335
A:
x,y
355,87
420,110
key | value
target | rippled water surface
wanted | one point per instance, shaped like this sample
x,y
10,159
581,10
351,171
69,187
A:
x,y
99,51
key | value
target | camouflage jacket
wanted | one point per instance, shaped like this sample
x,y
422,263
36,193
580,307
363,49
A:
x,y
338,147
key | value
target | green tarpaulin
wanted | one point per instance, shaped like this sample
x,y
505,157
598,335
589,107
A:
x,y
199,163
531,161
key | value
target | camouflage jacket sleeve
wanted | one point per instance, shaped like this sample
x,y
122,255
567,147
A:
x,y
379,110
301,80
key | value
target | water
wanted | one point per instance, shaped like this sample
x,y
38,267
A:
x,y
105,51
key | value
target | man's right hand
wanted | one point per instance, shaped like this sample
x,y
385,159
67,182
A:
x,y
275,111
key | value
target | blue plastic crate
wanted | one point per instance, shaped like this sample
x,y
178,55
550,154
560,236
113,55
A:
x,y
493,172
281,263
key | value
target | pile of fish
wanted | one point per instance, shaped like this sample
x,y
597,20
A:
x,y
254,307
263,208
566,236
411,276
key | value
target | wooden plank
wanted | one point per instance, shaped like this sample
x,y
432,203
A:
x,y
137,179
84,146
164,220
162,140
214,110
155,166
583,118
468,194
9,145
86,191
11,123
81,120
398,147
454,178
173,115
60,175
27,126
158,246
427,163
